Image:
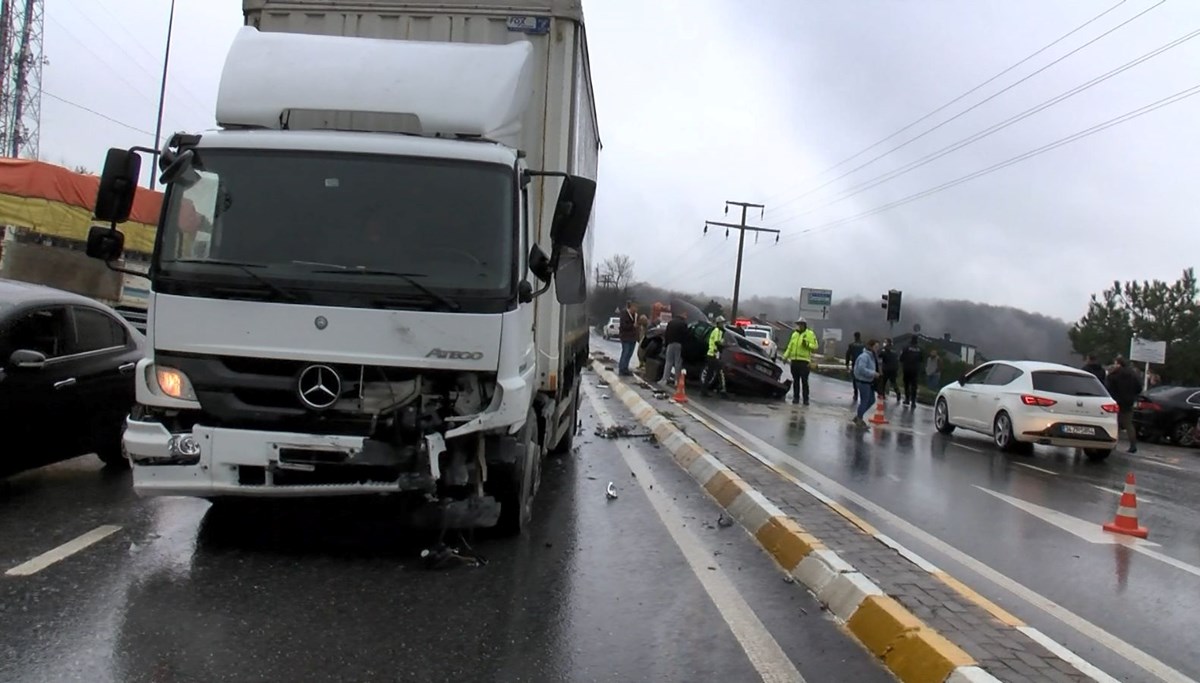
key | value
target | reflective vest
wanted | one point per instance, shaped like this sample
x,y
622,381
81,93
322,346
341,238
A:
x,y
714,342
801,345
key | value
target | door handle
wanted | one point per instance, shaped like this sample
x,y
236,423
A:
x,y
70,381
127,368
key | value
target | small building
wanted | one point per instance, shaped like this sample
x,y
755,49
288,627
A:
x,y
967,353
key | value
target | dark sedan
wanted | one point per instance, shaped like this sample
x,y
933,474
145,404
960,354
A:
x,y
66,379
1167,412
748,370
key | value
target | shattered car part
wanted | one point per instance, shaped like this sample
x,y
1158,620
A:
x,y
611,491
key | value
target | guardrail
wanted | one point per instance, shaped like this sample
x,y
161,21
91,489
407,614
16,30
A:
x,y
135,316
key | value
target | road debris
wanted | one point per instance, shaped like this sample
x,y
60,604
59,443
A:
x,y
611,491
622,432
442,556
724,521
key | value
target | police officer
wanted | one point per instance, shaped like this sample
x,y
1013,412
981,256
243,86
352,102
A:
x,y
799,353
712,364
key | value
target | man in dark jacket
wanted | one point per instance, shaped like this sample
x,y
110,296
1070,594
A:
x,y
910,365
889,361
1124,386
628,336
674,337
1093,366
856,347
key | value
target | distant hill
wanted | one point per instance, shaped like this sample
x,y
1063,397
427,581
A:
x,y
999,332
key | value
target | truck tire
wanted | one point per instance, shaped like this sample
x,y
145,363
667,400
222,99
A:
x,y
517,483
567,442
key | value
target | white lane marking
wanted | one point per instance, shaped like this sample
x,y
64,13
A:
x,y
969,448
1117,492
1131,653
1158,463
63,551
759,645
1088,531
1066,655
907,554
1167,559
1034,467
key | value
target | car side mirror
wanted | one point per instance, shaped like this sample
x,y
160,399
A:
x,y
105,244
27,359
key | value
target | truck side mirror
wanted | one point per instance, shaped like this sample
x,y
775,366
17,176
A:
x,y
539,264
570,278
105,244
572,212
118,184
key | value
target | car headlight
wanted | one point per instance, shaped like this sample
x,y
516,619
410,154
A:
x,y
170,382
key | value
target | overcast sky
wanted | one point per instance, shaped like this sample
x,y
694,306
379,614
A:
x,y
702,101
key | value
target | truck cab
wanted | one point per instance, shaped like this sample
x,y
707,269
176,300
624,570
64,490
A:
x,y
349,283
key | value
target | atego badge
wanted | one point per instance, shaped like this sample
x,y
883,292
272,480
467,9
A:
x,y
454,355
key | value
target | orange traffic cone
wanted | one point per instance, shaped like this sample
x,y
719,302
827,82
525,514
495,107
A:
x,y
878,418
1126,521
680,394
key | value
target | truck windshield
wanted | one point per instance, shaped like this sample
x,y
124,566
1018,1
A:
x,y
335,226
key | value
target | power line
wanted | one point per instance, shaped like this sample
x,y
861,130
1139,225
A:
x,y
742,228
976,105
1087,132
1028,57
93,111
1016,118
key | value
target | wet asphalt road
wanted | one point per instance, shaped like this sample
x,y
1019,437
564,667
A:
x,y
598,591
1148,597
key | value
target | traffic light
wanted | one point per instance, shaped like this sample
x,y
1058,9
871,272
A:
x,y
891,304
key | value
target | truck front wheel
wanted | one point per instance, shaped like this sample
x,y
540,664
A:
x,y
517,483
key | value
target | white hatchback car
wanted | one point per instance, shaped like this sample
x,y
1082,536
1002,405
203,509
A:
x,y
612,330
764,336
1022,403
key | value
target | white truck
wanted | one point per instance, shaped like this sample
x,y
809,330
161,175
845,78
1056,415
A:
x,y
370,279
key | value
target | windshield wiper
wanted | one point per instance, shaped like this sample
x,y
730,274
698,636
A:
x,y
410,278
246,268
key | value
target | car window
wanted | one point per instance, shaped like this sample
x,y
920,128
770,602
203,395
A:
x,y
979,375
1068,383
759,334
45,330
1194,399
97,330
1003,375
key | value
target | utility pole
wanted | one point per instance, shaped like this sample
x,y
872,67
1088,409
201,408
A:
x,y
741,228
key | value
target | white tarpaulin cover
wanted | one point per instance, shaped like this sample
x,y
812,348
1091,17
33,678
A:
x,y
452,88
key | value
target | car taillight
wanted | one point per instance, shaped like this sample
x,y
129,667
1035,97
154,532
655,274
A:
x,y
1031,400
1111,408
1148,405
739,357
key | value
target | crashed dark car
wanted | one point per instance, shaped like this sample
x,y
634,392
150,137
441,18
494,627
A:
x,y
748,371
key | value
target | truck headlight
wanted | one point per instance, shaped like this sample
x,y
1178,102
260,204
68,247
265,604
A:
x,y
170,382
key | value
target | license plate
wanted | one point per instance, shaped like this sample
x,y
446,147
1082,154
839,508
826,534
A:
x,y
1078,430
764,370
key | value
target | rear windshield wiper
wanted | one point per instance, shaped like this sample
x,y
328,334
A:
x,y
410,278
246,268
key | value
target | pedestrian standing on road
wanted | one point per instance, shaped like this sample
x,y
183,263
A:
x,y
1124,386
628,336
712,361
890,367
1093,366
856,347
643,324
910,365
799,353
933,370
674,336
866,373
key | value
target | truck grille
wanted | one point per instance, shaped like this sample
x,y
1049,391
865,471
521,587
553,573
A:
x,y
262,393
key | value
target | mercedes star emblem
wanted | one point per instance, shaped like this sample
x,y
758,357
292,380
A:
x,y
321,322
319,386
